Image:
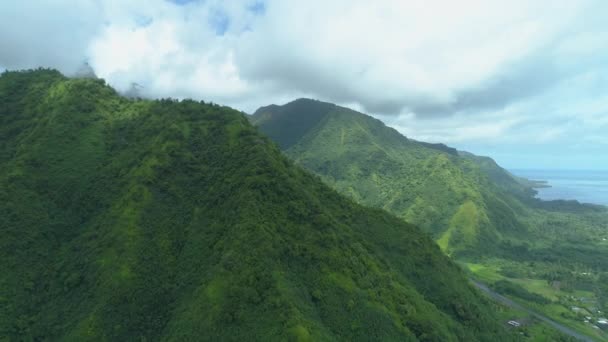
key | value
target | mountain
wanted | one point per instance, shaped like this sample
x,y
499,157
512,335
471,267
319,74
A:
x,y
548,252
464,201
469,204
129,219
550,255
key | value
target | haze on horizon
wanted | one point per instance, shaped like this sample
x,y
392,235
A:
x,y
523,82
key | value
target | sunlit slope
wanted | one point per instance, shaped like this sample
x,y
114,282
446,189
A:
x,y
163,220
467,203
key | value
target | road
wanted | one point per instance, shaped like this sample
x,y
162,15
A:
x,y
508,302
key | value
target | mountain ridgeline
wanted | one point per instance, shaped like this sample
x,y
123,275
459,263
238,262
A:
x,y
469,204
127,219
430,185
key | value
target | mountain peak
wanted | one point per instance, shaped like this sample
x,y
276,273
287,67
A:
x,y
430,184
292,120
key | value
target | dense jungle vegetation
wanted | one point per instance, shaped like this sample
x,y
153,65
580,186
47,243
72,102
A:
x,y
129,219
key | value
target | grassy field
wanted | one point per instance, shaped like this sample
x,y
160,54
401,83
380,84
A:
x,y
538,286
485,273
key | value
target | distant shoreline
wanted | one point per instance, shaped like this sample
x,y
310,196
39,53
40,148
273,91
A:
x,y
585,187
539,184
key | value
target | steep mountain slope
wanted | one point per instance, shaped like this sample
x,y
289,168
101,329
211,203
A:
x,y
551,255
466,202
163,220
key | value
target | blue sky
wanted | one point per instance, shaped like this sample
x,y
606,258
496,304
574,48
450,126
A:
x,y
182,2
525,82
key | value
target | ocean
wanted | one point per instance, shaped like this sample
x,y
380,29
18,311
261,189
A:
x,y
580,185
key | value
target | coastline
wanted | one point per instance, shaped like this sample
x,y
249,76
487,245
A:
x,y
585,187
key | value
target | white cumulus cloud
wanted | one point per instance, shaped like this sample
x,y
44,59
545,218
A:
x,y
468,72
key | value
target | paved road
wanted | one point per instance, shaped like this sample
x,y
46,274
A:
x,y
508,302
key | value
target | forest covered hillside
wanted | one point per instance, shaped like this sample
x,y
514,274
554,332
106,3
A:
x,y
466,203
129,219
550,255
469,204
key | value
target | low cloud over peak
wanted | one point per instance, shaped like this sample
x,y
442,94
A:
x,y
433,69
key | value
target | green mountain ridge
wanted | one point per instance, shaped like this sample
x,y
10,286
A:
x,y
550,256
426,184
468,203
128,219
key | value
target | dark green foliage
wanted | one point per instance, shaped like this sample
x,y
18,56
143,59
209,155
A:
x,y
508,288
440,147
602,285
291,122
164,220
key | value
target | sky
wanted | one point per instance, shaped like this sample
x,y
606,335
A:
x,y
525,82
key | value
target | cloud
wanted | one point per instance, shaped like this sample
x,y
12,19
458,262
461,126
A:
x,y
432,59
465,72
459,128
52,33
